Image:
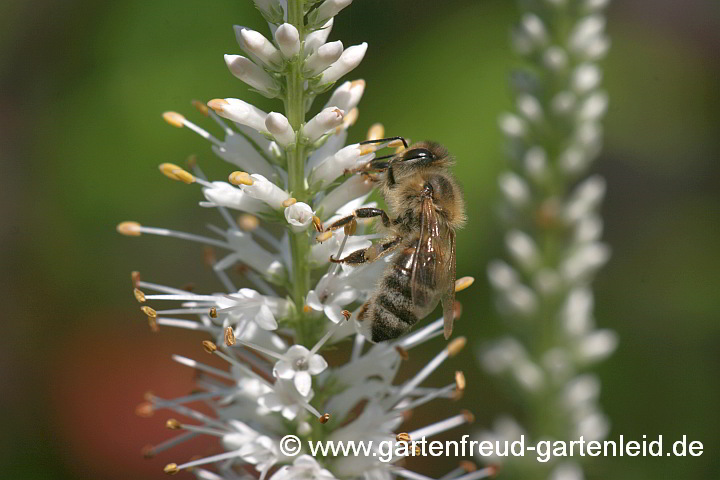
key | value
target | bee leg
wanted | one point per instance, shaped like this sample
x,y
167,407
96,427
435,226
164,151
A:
x,y
369,254
361,213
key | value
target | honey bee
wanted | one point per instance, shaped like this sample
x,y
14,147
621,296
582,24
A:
x,y
426,206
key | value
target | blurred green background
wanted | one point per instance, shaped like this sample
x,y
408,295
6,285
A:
x,y
82,87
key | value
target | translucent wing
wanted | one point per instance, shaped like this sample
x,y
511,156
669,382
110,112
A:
x,y
448,296
430,267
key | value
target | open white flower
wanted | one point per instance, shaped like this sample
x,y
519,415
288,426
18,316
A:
x,y
298,365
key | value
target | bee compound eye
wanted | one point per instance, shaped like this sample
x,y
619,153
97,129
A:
x,y
422,155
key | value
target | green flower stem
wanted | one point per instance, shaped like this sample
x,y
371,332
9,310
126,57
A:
x,y
295,110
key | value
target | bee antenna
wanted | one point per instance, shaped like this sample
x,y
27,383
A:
x,y
383,140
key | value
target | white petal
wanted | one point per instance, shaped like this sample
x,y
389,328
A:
x,y
244,69
323,122
303,383
316,364
288,39
283,369
265,319
347,62
279,126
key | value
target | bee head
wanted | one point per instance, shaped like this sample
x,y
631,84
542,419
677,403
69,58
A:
x,y
423,154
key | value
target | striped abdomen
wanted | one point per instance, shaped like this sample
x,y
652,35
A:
x,y
390,311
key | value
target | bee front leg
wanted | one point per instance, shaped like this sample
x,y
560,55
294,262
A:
x,y
369,254
361,213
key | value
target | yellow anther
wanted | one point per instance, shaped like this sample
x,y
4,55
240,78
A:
x,y
213,312
456,345
324,236
248,222
174,119
400,148
396,143
130,229
317,223
463,283
460,380
241,178
324,418
209,346
171,469
367,149
173,424
376,131
135,277
307,309
217,104
139,295
174,172
150,312
351,227
289,201
201,107
229,337
403,437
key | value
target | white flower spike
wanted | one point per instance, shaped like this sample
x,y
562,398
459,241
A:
x,y
270,234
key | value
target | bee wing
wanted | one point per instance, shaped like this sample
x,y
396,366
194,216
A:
x,y
430,267
448,296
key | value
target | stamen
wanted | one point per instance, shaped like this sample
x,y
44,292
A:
x,y
171,469
174,172
229,337
174,119
376,132
463,283
247,222
290,201
456,346
139,295
422,335
173,424
135,277
322,237
453,348
442,425
204,461
130,229
202,367
460,381
435,393
241,178
327,336
217,104
201,107
152,450
358,344
317,223
403,437
209,346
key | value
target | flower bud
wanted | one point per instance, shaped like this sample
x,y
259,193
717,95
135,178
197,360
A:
x,y
347,62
